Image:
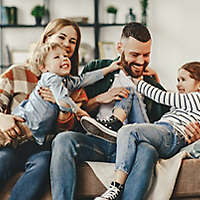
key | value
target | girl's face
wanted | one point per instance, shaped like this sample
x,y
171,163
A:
x,y
67,37
187,84
57,62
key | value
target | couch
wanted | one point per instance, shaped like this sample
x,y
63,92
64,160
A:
x,y
88,186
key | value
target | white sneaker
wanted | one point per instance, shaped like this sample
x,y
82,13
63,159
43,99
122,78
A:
x,y
113,192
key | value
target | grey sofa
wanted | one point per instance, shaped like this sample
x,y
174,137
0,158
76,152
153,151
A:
x,y
88,186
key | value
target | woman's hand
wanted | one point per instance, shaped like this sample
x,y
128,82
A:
x,y
192,132
8,125
46,94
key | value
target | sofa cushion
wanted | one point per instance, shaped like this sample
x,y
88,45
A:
x,y
88,185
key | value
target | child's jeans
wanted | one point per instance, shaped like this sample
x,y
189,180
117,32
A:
x,y
133,107
161,136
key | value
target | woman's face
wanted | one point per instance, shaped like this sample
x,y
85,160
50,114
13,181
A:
x,y
67,37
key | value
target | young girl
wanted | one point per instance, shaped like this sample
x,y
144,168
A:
x,y
167,135
40,115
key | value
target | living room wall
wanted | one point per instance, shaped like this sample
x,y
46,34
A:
x,y
174,25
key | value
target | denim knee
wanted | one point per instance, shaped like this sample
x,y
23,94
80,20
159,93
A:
x,y
39,160
65,143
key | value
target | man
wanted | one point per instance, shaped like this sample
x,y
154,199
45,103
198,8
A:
x,y
71,148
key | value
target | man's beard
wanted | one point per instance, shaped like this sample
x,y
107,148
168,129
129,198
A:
x,y
127,67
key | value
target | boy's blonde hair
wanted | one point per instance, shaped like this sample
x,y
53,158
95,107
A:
x,y
40,53
52,28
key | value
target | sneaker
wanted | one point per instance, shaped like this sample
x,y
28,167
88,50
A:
x,y
106,129
113,192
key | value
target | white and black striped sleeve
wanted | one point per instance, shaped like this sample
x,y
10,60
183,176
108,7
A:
x,y
187,101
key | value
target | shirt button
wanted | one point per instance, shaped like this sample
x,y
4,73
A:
x,y
111,80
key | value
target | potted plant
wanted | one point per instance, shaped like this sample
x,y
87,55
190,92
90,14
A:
x,y
144,5
38,12
112,13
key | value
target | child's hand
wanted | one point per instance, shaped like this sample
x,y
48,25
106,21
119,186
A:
x,y
150,72
80,113
115,65
112,67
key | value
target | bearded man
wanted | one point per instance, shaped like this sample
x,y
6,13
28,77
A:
x,y
71,148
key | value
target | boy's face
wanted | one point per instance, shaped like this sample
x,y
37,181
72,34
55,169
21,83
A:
x,y
58,62
186,83
135,56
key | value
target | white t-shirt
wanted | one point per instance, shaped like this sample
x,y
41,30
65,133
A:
x,y
121,80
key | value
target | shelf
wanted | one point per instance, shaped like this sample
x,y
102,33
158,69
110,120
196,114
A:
x,y
4,66
97,25
85,25
20,26
102,24
43,25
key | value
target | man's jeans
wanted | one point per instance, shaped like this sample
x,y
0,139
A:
x,y
31,159
69,149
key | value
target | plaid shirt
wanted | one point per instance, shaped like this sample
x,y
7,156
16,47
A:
x,y
16,83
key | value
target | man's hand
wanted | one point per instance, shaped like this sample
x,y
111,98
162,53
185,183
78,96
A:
x,y
46,94
80,113
112,95
8,125
192,132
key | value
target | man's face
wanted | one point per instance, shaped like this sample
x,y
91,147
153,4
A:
x,y
135,56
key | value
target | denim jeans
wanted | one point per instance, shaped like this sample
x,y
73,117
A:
x,y
133,107
31,159
160,135
69,149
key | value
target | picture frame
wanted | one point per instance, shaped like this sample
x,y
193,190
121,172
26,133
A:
x,y
107,50
19,56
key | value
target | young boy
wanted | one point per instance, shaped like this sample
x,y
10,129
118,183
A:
x,y
39,115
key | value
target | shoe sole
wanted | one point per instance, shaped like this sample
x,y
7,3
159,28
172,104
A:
x,y
95,128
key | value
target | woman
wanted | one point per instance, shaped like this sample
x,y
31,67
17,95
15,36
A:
x,y
15,85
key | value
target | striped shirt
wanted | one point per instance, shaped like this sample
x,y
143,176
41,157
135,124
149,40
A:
x,y
185,107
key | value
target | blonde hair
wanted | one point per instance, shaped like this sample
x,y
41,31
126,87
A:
x,y
53,27
40,53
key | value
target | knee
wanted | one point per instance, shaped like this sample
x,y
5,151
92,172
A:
x,y
127,131
63,139
40,160
64,143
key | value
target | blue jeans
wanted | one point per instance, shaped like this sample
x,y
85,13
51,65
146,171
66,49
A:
x,y
134,109
161,136
69,149
31,159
